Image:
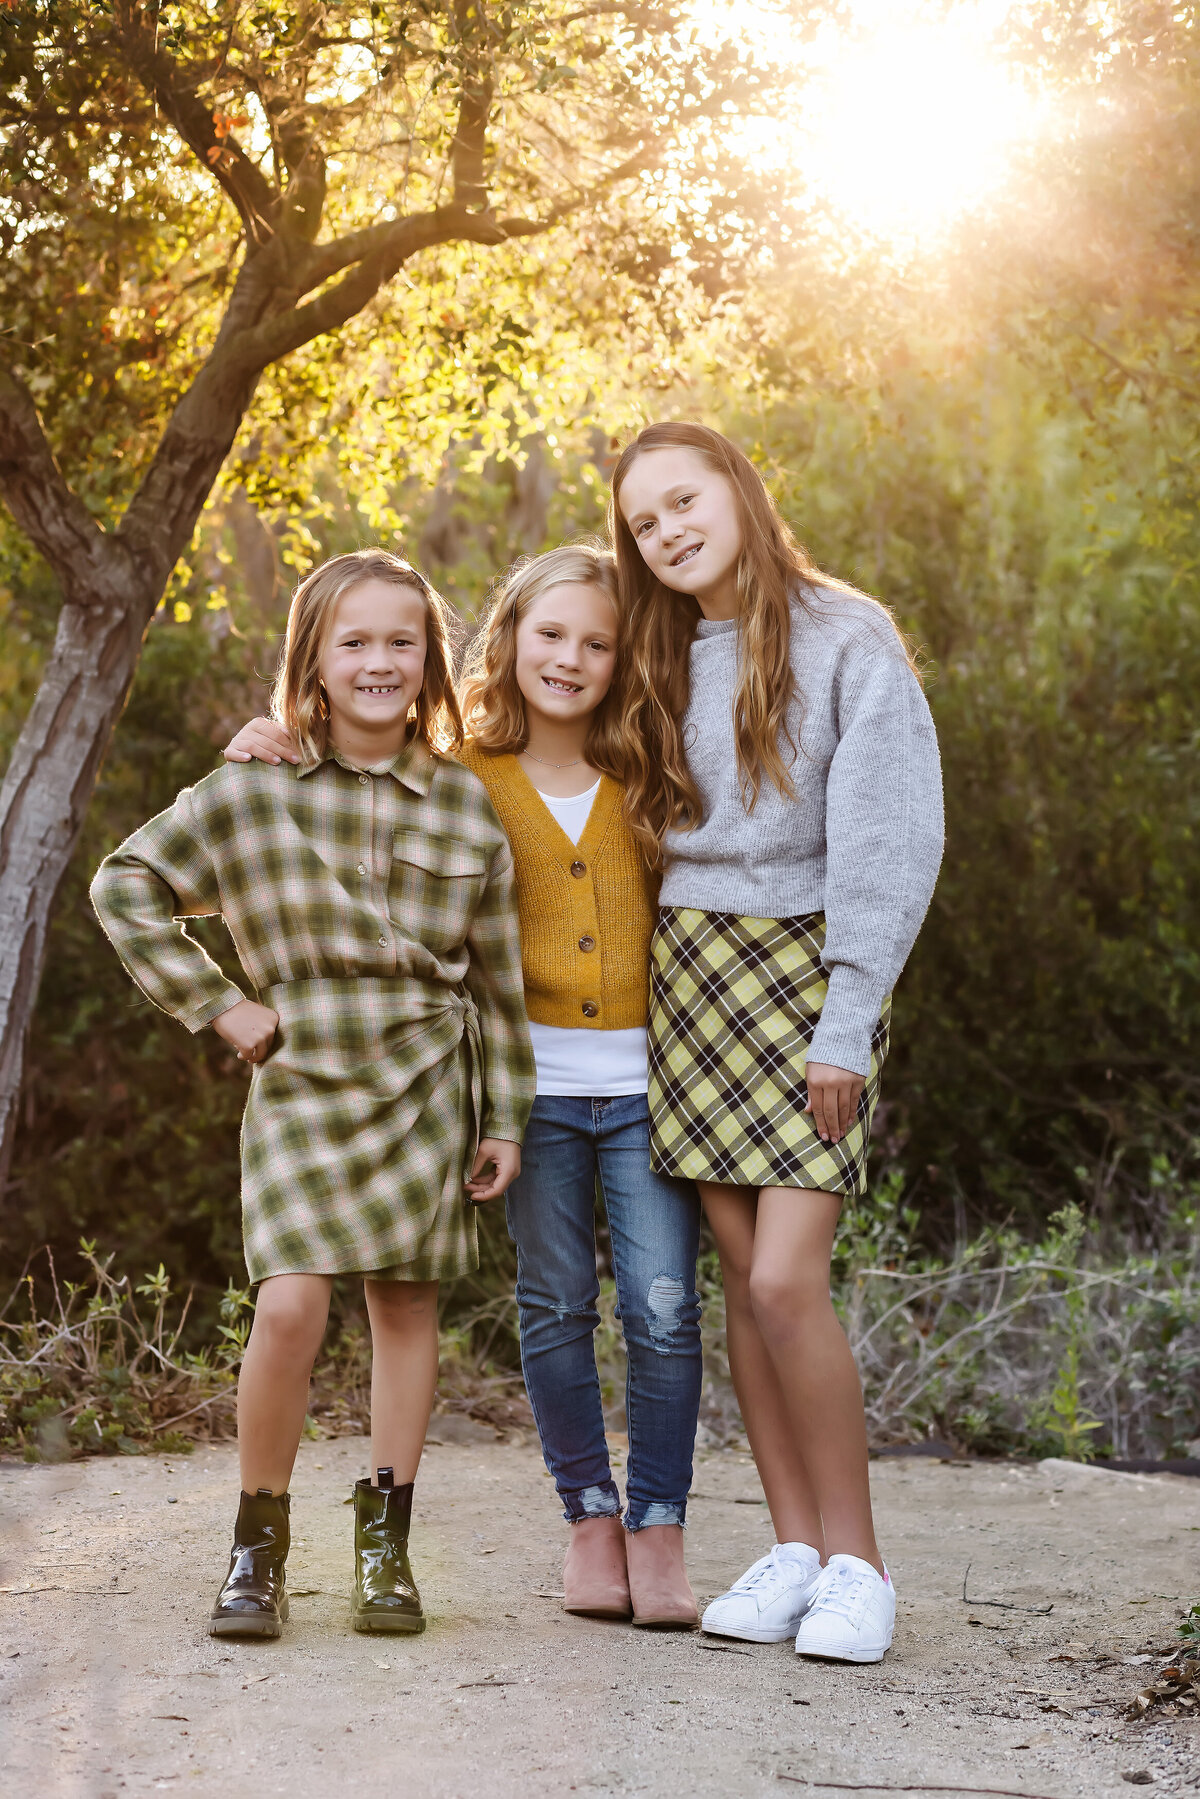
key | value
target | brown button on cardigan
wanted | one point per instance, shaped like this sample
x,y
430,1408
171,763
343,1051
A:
x,y
587,910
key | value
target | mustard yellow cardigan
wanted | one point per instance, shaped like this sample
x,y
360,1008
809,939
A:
x,y
587,910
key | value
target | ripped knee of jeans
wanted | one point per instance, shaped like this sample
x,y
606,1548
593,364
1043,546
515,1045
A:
x,y
664,1304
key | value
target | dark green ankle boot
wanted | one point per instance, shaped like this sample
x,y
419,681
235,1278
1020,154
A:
x,y
385,1594
253,1602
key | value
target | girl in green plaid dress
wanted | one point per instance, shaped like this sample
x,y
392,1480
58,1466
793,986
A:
x,y
786,774
368,892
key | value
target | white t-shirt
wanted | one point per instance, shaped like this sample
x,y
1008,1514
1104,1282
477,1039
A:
x,y
589,1064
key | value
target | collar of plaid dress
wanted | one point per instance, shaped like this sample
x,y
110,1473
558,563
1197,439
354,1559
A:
x,y
412,766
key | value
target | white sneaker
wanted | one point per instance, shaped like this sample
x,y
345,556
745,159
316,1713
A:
x,y
852,1613
768,1602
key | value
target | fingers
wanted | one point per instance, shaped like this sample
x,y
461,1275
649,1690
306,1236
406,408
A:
x,y
258,745
833,1096
261,741
483,1187
249,1029
505,1161
818,1100
270,741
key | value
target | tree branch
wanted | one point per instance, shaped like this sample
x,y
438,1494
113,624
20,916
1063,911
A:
x,y
174,88
331,258
263,323
468,150
56,522
385,248
664,19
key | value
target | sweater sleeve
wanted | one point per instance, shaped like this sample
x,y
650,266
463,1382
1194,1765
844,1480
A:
x,y
884,835
161,874
495,982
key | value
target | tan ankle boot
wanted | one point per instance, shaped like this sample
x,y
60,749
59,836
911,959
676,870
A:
x,y
595,1583
658,1582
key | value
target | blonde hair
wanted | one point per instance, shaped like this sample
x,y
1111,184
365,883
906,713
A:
x,y
298,700
493,706
773,572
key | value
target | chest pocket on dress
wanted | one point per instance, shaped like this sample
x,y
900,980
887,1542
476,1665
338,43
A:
x,y
435,887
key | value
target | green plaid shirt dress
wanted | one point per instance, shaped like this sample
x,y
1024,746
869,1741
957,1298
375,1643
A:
x,y
374,911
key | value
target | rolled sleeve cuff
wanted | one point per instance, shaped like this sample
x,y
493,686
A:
x,y
506,1127
212,1008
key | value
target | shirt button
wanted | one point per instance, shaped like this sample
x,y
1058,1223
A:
x,y
578,869
586,943
364,780
590,1009
362,868
383,943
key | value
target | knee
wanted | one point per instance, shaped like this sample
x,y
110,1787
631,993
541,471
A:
x,y
780,1305
289,1328
573,1317
672,1315
735,1280
402,1306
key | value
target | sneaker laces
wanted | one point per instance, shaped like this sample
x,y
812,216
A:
x,y
843,1593
764,1572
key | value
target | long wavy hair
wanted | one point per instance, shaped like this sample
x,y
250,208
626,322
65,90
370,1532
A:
x,y
298,699
493,706
774,572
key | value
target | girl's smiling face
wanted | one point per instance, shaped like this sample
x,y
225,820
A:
x,y
683,516
566,651
373,662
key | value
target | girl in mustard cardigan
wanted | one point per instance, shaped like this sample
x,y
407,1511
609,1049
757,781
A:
x,y
543,716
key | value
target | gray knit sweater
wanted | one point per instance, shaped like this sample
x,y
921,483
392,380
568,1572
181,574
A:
x,y
861,841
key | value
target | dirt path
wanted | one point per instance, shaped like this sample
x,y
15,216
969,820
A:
x,y
111,1688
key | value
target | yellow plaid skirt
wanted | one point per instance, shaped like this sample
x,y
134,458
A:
x,y
734,1003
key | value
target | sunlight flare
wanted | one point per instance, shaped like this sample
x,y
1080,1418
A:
x,y
914,120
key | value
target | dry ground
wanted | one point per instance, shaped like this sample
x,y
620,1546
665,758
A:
x,y
111,1689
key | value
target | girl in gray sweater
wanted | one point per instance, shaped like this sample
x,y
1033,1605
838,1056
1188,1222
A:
x,y
786,778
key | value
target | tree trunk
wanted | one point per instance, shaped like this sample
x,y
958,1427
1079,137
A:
x,y
45,796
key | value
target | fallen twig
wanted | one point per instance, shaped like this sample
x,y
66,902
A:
x,y
229,1394
1004,1605
726,1499
913,1786
723,1649
488,1683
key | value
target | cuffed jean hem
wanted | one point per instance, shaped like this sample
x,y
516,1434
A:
x,y
602,1501
640,1513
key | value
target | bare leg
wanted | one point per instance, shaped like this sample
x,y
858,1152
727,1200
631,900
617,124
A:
x,y
290,1315
404,1371
774,1440
796,1323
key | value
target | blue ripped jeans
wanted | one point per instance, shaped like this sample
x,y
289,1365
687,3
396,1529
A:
x,y
654,1225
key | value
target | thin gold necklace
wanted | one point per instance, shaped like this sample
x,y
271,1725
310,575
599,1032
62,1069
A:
x,y
546,764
